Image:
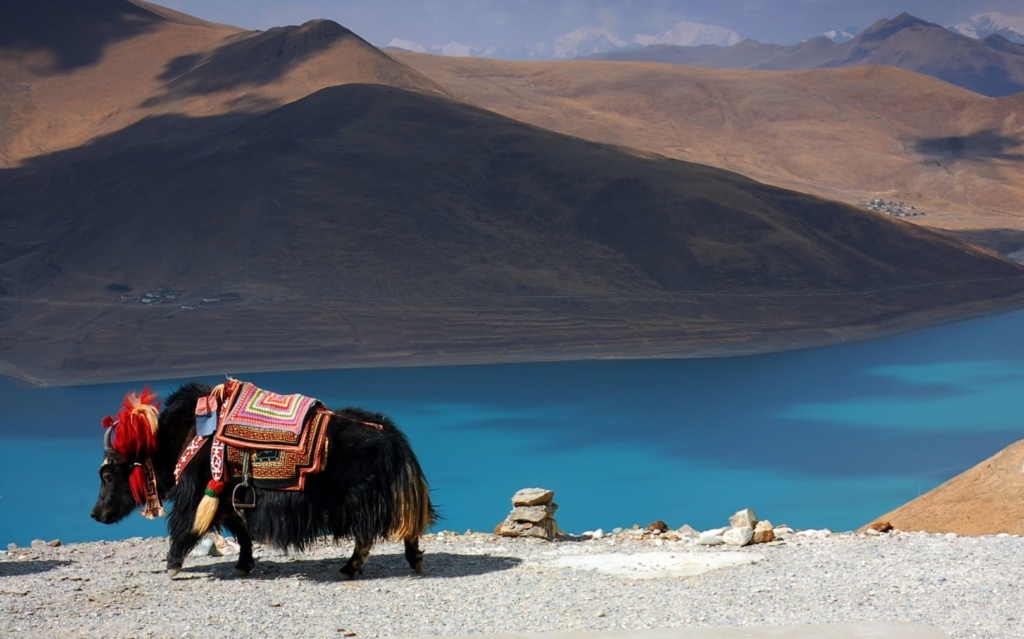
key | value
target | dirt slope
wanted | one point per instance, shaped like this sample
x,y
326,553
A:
x,y
987,499
848,134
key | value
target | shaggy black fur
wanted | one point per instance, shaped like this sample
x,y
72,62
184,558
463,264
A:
x,y
371,488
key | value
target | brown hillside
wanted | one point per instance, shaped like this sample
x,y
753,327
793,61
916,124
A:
x,y
849,134
186,197
393,225
94,67
985,500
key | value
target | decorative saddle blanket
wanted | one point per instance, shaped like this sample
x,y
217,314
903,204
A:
x,y
284,437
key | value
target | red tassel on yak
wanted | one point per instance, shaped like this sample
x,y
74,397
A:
x,y
135,437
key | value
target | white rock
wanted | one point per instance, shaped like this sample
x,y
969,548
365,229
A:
x,y
739,536
743,518
712,537
951,535
203,549
871,532
688,531
597,534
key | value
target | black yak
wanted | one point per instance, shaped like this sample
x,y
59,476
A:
x,y
370,485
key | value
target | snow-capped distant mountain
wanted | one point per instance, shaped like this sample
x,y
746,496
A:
x,y
586,41
579,43
408,45
455,49
840,35
690,34
983,25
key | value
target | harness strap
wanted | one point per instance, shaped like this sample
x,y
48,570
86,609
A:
x,y
186,455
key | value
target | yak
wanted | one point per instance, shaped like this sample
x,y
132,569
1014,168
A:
x,y
371,486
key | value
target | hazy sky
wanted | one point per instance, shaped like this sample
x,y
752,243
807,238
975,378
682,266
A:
x,y
516,23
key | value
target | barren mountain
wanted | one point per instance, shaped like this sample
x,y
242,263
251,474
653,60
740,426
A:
x,y
74,70
993,66
987,499
296,198
848,134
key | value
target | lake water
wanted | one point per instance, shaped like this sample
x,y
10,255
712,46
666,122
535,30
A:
x,y
828,437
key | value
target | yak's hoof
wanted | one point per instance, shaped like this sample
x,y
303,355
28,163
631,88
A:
x,y
348,573
172,572
239,572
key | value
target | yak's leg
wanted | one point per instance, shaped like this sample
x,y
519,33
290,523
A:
x,y
183,539
354,565
180,546
245,560
413,554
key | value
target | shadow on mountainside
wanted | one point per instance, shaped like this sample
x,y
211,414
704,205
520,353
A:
x,y
74,33
440,565
983,146
1002,241
249,59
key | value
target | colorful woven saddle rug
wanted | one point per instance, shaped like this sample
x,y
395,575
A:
x,y
284,436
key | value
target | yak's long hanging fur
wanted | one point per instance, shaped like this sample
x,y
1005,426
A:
x,y
371,488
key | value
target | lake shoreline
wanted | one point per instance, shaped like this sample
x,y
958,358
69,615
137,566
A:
x,y
623,349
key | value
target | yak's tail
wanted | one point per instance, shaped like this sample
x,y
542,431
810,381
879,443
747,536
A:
x,y
413,512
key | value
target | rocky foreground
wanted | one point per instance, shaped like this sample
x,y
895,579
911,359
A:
x,y
969,587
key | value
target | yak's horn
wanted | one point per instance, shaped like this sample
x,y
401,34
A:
x,y
108,446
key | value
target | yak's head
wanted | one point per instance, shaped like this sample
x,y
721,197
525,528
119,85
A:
x,y
129,440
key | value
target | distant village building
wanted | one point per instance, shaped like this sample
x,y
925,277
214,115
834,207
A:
x,y
895,208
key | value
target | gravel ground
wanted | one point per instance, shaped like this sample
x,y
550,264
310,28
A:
x,y
969,587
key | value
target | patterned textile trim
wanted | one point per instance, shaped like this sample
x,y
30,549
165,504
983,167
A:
x,y
267,417
186,456
286,468
153,507
217,460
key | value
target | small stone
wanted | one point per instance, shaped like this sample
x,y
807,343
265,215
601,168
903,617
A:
x,y
55,543
880,526
533,513
533,497
657,526
764,533
744,518
871,532
951,535
739,536
688,531
616,530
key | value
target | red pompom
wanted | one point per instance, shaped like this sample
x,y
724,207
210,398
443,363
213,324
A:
x,y
215,486
135,437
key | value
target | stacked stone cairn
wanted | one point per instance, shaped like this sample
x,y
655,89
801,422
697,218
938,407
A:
x,y
531,516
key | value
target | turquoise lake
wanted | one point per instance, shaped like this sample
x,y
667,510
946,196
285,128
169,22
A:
x,y
828,437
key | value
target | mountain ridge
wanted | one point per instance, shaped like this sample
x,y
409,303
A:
x,y
991,68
